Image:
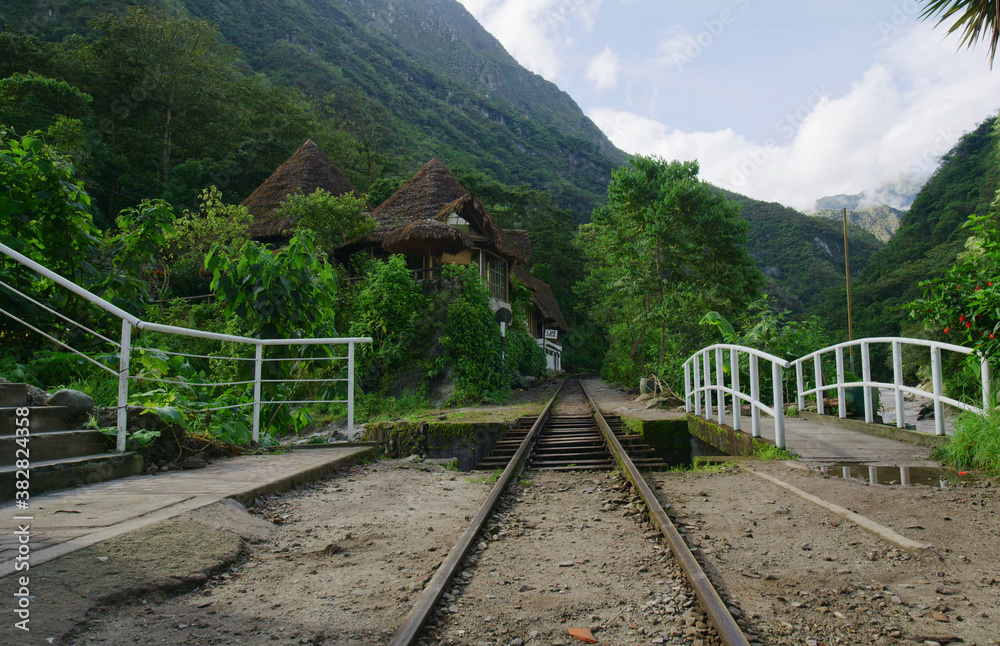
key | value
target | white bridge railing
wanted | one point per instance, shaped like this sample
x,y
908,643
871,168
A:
x,y
699,384
123,349
699,367
899,389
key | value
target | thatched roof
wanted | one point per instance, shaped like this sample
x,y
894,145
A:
x,y
519,239
426,233
542,296
434,194
306,170
421,198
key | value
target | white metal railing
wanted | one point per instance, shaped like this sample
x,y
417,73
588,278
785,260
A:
x,y
695,387
937,379
125,347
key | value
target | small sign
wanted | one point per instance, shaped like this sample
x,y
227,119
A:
x,y
551,334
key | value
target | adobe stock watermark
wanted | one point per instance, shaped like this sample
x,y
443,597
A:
x,y
695,45
926,161
902,15
756,157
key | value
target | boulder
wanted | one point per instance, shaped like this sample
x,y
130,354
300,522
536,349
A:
x,y
78,403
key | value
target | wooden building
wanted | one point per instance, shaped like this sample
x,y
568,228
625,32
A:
x,y
545,320
433,220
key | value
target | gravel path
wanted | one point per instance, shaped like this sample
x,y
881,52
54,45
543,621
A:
x,y
569,550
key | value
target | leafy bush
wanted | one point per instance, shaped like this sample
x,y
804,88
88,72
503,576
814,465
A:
x,y
975,444
471,338
522,353
388,304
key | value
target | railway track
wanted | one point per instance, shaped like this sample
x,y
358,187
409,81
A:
x,y
545,507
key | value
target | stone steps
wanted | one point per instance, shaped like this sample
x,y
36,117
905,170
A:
x,y
58,457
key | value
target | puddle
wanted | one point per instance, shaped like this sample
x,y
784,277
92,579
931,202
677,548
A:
x,y
904,475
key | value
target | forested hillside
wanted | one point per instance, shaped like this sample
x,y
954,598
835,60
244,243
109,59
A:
x,y
881,221
381,86
930,235
801,257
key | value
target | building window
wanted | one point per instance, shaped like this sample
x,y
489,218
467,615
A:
x,y
496,278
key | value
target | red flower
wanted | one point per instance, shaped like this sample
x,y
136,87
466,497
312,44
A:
x,y
961,318
946,330
977,288
968,325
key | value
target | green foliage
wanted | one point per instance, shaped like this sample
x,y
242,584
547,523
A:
x,y
288,293
665,245
214,222
975,444
975,19
32,101
43,210
801,257
127,254
387,306
929,239
523,354
334,219
452,465
963,305
471,339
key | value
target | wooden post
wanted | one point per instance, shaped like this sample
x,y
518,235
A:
x,y
847,270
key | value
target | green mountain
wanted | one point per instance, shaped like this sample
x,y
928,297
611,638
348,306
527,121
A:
x,y
800,256
881,221
930,235
407,80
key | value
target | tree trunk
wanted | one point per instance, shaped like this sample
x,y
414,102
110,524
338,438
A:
x,y
663,319
166,138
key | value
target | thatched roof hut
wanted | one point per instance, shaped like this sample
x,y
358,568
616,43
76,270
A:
x,y
520,240
543,297
426,234
307,170
434,194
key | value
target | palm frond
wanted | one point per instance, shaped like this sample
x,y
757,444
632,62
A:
x,y
976,20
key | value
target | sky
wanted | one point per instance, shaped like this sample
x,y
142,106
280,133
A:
x,y
782,100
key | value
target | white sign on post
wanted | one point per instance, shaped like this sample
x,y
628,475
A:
x,y
551,334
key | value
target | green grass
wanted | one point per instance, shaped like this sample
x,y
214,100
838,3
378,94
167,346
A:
x,y
975,444
771,452
451,465
489,478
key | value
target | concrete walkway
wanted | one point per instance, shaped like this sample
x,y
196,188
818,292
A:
x,y
821,442
813,442
65,521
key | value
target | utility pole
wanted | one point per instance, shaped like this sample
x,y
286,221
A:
x,y
847,266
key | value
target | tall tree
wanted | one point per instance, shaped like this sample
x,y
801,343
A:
x,y
174,65
976,19
664,240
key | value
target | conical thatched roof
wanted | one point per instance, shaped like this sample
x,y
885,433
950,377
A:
x,y
543,297
426,233
306,170
421,198
434,194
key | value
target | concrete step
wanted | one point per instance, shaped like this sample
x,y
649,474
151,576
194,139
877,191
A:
x,y
54,446
48,475
41,419
13,395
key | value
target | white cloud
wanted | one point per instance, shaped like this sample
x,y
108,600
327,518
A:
x,y
534,31
907,110
603,70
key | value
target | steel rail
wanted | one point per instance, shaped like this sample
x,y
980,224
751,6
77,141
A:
x,y
729,631
410,630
